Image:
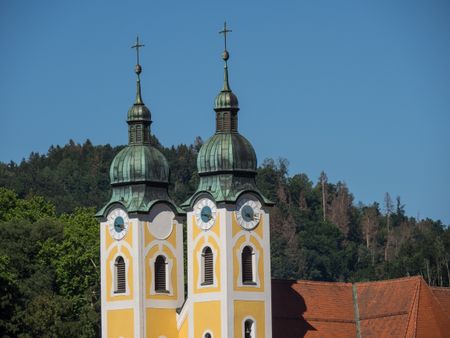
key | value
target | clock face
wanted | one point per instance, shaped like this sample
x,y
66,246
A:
x,y
248,213
205,213
118,224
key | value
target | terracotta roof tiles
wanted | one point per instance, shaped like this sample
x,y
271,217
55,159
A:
x,y
405,307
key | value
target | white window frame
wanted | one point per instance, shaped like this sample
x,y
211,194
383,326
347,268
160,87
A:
x,y
254,333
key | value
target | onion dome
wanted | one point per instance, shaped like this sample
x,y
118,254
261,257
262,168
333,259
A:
x,y
226,162
139,164
226,152
139,173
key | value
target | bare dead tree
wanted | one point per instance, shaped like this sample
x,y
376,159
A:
x,y
323,181
388,207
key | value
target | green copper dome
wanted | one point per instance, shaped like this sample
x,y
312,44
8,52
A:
x,y
139,112
226,162
226,152
139,173
139,164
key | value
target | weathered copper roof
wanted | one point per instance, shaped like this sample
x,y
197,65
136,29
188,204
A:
x,y
139,173
139,164
226,152
226,162
405,307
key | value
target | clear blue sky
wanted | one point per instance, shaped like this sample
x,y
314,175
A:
x,y
359,89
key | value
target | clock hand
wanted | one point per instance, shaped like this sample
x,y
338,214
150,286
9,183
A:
x,y
206,215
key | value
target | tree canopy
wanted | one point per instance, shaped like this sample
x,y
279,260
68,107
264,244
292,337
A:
x,y
49,248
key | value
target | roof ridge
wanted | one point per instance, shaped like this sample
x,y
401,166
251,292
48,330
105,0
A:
x,y
440,288
300,281
435,298
395,280
410,314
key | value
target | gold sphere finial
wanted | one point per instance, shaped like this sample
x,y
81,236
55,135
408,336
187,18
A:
x,y
225,55
138,69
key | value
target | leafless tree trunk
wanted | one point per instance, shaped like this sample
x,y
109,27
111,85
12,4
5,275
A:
x,y
323,180
388,206
427,265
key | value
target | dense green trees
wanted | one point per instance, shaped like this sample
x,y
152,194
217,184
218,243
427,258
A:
x,y
49,247
48,270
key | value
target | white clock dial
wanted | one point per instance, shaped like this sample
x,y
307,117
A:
x,y
248,213
205,213
118,224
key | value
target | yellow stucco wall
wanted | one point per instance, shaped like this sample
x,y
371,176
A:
x,y
236,227
237,252
149,273
161,322
110,260
184,329
128,237
120,323
207,317
201,243
254,309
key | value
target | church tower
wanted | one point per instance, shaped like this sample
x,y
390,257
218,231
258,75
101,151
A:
x,y
228,237
141,238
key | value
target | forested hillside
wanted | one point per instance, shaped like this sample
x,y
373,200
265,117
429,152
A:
x,y
49,255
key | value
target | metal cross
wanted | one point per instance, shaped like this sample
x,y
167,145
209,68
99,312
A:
x,y
225,32
137,46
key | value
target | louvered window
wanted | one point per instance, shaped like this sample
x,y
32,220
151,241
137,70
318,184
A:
x,y
247,265
119,272
160,274
208,266
249,329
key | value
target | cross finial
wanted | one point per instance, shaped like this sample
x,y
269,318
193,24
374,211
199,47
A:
x,y
225,31
137,46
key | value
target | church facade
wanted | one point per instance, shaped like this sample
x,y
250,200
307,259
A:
x,y
227,237
202,269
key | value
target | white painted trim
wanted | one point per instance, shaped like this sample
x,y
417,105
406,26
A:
x,y
104,323
120,304
161,303
206,332
160,243
112,267
254,334
200,261
181,317
180,263
168,272
267,277
228,273
253,296
255,262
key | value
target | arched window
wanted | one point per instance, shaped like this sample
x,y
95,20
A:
x,y
247,265
207,335
160,274
249,329
119,275
207,266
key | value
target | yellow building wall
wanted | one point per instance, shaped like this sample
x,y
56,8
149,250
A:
x,y
128,237
184,329
244,308
149,274
207,316
236,228
110,260
212,243
237,266
120,323
161,322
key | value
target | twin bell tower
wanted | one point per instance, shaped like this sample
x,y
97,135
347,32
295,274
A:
x,y
223,229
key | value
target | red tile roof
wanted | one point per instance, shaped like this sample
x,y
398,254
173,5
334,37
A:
x,y
405,307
